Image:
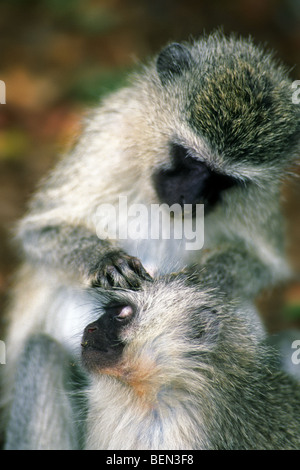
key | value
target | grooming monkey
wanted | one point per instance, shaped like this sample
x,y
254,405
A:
x,y
176,366
210,122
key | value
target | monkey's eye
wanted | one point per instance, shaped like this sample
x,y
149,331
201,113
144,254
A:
x,y
182,157
190,181
120,313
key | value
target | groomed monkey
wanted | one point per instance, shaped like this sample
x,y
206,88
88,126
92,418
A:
x,y
209,122
177,366
174,365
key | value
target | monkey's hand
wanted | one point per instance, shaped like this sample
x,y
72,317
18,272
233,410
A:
x,y
117,269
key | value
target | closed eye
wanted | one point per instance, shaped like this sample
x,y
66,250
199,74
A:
x,y
190,181
120,313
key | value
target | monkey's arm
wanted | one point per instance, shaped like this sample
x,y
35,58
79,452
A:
x,y
234,270
41,416
59,231
77,252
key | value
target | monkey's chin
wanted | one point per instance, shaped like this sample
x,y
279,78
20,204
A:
x,y
97,360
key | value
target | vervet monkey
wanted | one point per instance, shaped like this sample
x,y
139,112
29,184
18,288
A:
x,y
177,366
210,122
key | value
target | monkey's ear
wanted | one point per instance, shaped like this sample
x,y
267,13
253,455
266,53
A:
x,y
172,61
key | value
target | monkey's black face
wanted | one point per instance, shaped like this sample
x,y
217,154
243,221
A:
x,y
101,343
190,181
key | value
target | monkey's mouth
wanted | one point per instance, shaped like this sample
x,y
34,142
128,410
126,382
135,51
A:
x,y
98,358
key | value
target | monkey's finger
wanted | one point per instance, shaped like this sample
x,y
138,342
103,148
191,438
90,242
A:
x,y
137,266
116,276
125,276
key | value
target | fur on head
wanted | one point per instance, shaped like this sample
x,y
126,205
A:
x,y
160,358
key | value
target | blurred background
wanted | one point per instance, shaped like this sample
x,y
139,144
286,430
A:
x,y
58,57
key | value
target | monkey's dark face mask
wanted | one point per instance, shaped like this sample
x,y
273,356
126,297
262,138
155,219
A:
x,y
190,181
101,344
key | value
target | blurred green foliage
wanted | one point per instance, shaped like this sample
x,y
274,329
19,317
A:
x,y
85,16
291,311
89,85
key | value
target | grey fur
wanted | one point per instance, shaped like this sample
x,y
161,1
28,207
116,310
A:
x,y
41,395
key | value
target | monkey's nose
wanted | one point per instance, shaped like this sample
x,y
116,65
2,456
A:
x,y
90,335
92,329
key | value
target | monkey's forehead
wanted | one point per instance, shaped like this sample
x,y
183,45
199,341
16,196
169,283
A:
x,y
244,114
237,97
